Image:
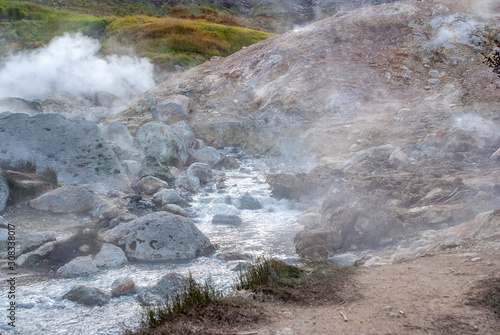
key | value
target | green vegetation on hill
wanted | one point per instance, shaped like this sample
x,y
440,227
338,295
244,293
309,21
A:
x,y
183,38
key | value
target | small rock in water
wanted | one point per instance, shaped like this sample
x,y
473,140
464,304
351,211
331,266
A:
x,y
86,295
122,286
226,219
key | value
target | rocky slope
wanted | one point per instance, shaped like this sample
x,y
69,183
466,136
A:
x,y
392,105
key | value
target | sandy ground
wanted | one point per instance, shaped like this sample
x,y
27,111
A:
x,y
425,296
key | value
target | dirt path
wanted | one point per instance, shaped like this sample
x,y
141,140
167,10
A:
x,y
425,296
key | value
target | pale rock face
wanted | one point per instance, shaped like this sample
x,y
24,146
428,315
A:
x,y
158,237
74,148
66,199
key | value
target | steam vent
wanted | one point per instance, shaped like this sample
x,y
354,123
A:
x,y
250,167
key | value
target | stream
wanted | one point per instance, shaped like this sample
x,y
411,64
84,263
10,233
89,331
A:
x,y
268,231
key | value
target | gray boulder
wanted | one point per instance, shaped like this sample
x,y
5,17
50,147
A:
x,y
74,148
78,267
168,286
159,236
207,155
161,146
165,197
4,191
110,256
122,286
183,129
248,202
187,182
88,296
66,199
202,171
226,219
175,209
173,109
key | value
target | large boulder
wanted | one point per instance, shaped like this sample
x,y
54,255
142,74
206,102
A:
x,y
66,199
161,147
159,236
4,191
74,148
173,109
88,296
110,256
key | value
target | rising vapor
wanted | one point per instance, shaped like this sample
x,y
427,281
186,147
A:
x,y
72,63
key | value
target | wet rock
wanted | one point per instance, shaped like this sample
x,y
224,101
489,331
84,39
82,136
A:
x,y
202,171
66,199
122,286
4,191
173,109
285,185
74,148
88,296
226,219
28,259
168,286
120,138
18,105
165,197
159,236
234,256
183,129
207,155
110,256
187,182
174,209
161,147
78,267
150,185
248,202
45,249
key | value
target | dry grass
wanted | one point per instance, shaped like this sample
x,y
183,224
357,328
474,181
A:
x,y
487,294
314,284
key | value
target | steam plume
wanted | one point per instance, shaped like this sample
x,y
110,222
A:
x,y
72,63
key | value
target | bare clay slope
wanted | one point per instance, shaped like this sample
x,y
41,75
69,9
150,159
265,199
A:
x,y
382,74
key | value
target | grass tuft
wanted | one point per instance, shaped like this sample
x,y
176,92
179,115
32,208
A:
x,y
316,283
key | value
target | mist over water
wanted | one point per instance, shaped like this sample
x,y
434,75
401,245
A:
x,y
72,63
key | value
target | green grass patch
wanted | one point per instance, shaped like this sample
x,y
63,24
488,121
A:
x,y
315,283
197,41
26,25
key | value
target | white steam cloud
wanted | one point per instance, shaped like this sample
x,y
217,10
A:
x,y
72,63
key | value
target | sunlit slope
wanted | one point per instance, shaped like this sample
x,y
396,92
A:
x,y
167,40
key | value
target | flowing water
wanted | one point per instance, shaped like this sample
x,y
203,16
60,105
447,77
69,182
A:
x,y
267,231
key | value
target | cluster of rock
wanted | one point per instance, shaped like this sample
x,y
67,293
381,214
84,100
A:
x,y
136,186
